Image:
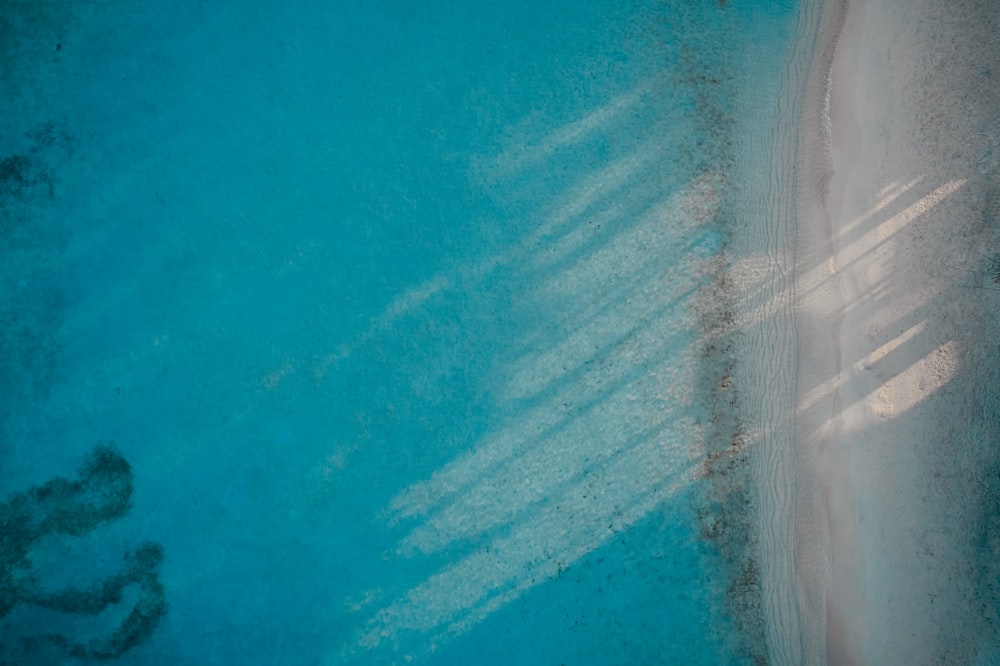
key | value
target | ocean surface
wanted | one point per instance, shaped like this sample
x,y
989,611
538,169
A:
x,y
381,332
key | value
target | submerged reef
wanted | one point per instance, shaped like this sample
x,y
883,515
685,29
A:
x,y
102,493
25,176
32,243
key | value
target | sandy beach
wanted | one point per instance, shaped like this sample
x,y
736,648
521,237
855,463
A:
x,y
896,423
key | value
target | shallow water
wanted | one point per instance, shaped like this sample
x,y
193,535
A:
x,y
407,320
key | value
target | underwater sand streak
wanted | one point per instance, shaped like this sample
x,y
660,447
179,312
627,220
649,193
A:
x,y
602,438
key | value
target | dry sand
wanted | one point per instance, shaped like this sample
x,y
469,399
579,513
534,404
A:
x,y
896,428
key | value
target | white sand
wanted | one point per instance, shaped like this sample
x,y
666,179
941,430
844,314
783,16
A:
x,y
897,183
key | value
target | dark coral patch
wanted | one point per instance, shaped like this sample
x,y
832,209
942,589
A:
x,y
102,493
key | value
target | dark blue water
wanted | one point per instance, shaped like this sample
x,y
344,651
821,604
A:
x,y
370,333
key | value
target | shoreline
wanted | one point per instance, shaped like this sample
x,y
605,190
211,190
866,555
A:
x,y
766,344
824,529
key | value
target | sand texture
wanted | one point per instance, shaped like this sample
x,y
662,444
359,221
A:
x,y
897,311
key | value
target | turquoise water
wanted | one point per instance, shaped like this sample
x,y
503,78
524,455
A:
x,y
375,333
